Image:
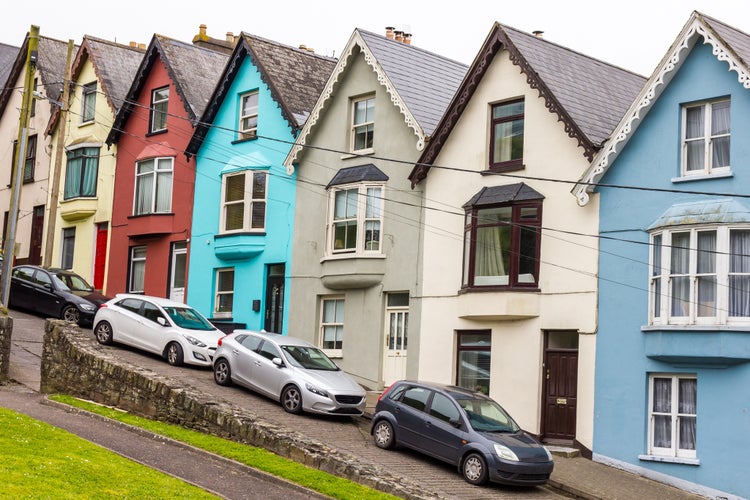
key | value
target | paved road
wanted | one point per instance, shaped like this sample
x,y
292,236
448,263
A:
x,y
346,433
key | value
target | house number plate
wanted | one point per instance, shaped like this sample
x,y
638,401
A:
x,y
562,401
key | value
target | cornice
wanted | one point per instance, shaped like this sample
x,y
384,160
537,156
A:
x,y
651,92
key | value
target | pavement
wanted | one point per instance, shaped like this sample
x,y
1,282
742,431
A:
x,y
573,476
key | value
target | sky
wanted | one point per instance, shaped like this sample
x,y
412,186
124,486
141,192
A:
x,y
632,34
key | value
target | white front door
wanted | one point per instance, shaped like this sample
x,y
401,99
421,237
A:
x,y
177,274
396,336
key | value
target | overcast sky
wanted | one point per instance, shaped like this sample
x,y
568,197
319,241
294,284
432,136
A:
x,y
633,34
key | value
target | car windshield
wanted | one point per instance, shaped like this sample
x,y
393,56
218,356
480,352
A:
x,y
74,282
60,284
486,415
189,318
309,357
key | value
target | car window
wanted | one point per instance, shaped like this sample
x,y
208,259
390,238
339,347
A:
x,y
416,397
24,273
75,282
443,408
250,341
151,312
189,318
133,305
269,351
42,278
311,358
487,415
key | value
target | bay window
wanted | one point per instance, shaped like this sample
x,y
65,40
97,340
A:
x,y
355,219
153,186
244,201
81,172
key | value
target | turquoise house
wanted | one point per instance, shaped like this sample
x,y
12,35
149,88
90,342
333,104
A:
x,y
243,212
671,395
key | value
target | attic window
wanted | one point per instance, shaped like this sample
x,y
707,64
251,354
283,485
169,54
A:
x,y
159,106
506,136
249,116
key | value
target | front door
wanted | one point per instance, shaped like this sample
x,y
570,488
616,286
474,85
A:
x,y
396,337
560,387
274,314
37,229
100,258
177,272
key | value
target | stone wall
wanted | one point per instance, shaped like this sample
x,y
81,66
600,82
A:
x,y
6,331
73,363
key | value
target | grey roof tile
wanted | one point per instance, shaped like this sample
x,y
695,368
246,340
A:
x,y
115,66
735,39
359,173
8,55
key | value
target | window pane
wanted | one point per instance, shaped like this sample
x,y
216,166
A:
x,y
474,370
510,109
527,256
373,203
164,192
720,118
680,253
695,155
720,155
259,186
739,277
662,431
235,188
694,126
258,216
492,255
234,216
662,395
372,235
508,141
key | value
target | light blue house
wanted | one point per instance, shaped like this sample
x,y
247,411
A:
x,y
672,388
243,213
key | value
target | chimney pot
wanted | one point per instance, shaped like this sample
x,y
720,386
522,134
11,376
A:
x,y
389,32
230,37
538,33
133,44
399,36
407,38
142,46
202,29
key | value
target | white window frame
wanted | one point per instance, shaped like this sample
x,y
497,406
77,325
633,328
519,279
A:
x,y
88,103
219,293
707,138
674,451
159,107
246,116
368,122
163,167
137,259
365,192
397,323
337,323
661,281
251,201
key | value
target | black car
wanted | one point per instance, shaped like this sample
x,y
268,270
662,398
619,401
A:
x,y
463,428
55,293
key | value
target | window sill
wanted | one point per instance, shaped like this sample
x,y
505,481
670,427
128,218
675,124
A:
x,y
744,327
334,353
156,132
702,177
510,166
358,154
500,288
86,124
352,255
244,139
671,460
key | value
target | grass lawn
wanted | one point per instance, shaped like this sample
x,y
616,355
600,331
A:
x,y
257,458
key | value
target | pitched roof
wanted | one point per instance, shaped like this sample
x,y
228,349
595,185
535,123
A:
x,y
729,44
8,54
360,173
420,83
193,70
588,95
51,59
294,76
115,66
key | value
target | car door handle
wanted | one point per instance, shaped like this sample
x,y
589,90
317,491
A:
x,y
235,351
257,363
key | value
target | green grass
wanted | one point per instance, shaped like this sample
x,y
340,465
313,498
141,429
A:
x,y
257,458
42,461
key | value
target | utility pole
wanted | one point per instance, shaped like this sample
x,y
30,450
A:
x,y
60,152
19,161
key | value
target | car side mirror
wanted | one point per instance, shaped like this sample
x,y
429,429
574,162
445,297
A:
x,y
278,362
455,422
161,321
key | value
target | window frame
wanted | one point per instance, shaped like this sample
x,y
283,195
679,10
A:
x,y
155,173
88,103
707,139
514,163
29,164
368,125
517,224
361,219
159,108
466,348
219,293
67,247
249,202
250,132
140,261
86,159
662,277
674,413
338,348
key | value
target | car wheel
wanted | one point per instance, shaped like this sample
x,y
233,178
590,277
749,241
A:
x,y
70,314
174,354
222,372
383,435
474,469
103,333
291,399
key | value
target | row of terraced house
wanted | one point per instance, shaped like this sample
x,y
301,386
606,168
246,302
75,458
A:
x,y
567,236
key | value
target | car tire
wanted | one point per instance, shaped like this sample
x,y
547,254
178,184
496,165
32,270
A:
x,y
383,435
222,372
291,399
103,333
474,469
174,354
70,314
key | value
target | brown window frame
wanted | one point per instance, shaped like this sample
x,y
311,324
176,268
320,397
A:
x,y
514,163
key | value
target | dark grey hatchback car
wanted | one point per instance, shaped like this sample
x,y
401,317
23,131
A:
x,y
463,428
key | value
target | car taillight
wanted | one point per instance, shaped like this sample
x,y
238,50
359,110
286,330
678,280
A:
x,y
385,391
219,342
102,305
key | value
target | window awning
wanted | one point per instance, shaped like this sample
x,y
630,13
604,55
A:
x,y
495,195
361,173
718,211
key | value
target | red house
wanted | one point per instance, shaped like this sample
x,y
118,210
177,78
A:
x,y
154,184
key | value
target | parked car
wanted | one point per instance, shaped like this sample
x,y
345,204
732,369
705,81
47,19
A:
x,y
174,331
289,370
54,292
463,428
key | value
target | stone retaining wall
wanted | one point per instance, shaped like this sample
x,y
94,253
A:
x,y
6,331
74,364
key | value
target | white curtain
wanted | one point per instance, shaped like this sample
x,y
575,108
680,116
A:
x,y
707,273
720,124
739,273
489,265
695,130
662,403
687,407
679,270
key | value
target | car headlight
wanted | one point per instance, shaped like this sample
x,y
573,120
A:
x,y
505,452
317,390
88,307
549,455
194,341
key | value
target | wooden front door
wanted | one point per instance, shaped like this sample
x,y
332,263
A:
x,y
37,234
560,387
274,313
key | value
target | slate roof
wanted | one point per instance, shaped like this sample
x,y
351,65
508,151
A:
x,y
8,54
295,77
115,66
717,211
506,193
360,173
193,70
588,95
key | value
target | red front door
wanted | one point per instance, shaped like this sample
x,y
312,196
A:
x,y
100,258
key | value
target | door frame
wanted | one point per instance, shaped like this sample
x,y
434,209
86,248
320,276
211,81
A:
x,y
569,434
174,251
273,310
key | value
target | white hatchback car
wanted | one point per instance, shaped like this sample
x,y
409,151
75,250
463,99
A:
x,y
289,370
174,331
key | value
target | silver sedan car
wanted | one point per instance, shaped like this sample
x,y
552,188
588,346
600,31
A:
x,y
289,370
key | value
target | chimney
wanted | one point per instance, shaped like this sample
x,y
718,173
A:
x,y
230,37
133,44
399,36
142,46
538,33
407,38
202,30
389,32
